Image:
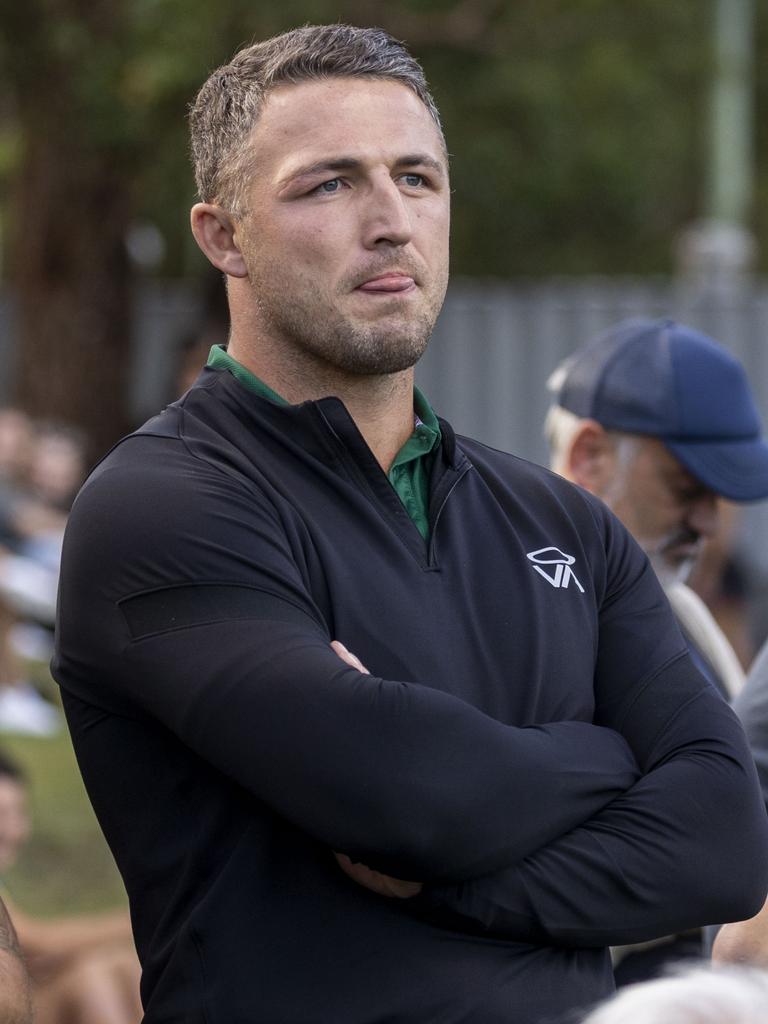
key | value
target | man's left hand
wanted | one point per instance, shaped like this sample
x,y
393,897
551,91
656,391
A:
x,y
384,885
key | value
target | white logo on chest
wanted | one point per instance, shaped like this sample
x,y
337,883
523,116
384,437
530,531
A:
x,y
561,575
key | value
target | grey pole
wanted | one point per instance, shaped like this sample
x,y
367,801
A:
x,y
730,186
717,252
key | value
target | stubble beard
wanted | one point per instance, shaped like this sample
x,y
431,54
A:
x,y
311,326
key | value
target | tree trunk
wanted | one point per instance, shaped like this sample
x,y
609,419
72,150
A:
x,y
68,260
73,294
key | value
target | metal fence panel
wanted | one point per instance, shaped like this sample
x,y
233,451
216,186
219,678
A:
x,y
494,346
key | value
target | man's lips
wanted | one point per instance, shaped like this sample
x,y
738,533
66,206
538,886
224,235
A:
x,y
388,283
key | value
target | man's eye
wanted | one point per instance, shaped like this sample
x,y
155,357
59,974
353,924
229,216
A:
x,y
414,180
329,187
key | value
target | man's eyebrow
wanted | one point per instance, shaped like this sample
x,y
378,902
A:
x,y
349,163
421,160
341,163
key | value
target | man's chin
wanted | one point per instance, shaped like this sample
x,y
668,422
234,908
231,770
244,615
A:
x,y
382,348
379,364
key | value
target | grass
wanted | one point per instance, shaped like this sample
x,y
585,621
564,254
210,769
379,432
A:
x,y
66,866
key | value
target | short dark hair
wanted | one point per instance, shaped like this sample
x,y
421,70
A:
x,y
230,102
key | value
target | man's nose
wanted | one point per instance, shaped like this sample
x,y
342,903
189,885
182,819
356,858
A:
x,y
703,514
387,219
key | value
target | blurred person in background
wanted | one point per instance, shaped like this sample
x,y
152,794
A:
x,y
722,578
212,327
25,511
193,351
15,996
56,465
659,422
83,968
16,441
55,470
41,467
24,589
699,995
747,941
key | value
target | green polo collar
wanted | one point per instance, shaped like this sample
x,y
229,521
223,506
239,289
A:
x,y
220,359
409,472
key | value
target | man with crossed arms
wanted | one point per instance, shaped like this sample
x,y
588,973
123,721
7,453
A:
x,y
533,769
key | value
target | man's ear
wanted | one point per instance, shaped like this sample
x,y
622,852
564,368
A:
x,y
590,460
214,232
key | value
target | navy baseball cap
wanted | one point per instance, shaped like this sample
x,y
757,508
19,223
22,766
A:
x,y
667,380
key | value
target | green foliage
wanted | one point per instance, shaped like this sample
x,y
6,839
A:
x,y
577,127
66,867
572,138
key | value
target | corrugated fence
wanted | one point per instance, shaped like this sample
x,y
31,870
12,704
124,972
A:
x,y
494,347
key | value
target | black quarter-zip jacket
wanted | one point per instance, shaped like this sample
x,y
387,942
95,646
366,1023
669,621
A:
x,y
533,742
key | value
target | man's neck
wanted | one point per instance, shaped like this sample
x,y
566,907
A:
x,y
381,406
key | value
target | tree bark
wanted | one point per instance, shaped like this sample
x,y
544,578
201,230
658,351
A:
x,y
72,207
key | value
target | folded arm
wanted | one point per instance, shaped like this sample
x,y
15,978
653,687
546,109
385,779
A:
x,y
684,847
743,942
387,772
211,632
687,845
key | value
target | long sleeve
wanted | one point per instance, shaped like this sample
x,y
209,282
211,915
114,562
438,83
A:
x,y
209,562
211,633
687,845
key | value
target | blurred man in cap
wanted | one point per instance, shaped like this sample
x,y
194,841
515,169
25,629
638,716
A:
x,y
659,421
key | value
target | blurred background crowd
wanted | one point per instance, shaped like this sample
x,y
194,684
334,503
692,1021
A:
x,y
608,160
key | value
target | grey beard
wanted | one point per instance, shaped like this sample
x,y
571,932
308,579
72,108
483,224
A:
x,y
669,574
